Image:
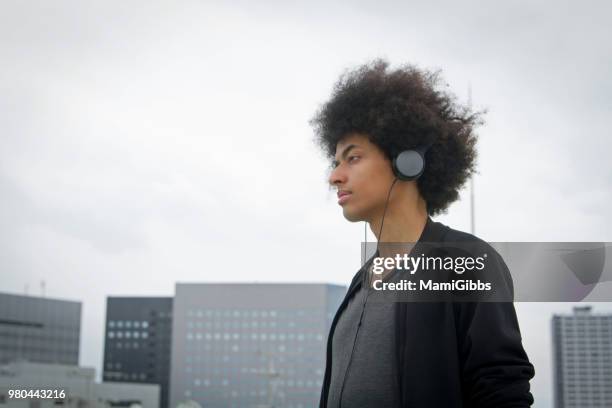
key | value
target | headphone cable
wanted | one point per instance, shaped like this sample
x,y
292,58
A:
x,y
382,223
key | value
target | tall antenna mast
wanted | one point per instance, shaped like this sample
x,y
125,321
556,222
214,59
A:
x,y
472,212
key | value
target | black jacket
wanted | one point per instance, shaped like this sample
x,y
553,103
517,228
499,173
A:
x,y
453,354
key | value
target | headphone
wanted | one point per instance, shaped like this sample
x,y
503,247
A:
x,y
410,164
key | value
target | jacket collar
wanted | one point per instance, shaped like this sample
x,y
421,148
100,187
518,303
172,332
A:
x,y
433,232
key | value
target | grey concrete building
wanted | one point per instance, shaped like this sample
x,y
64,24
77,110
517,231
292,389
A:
x,y
251,345
137,341
38,329
582,359
53,385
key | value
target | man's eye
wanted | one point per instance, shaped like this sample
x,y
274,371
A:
x,y
352,158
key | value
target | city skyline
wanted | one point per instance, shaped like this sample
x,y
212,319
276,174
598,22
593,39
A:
x,y
534,338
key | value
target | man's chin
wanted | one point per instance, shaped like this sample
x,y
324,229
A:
x,y
351,215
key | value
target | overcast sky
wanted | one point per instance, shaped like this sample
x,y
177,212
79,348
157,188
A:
x,y
146,143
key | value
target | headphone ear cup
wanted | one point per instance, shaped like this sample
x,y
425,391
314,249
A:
x,y
408,165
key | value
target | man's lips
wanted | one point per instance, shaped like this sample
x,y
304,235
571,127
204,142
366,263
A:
x,y
343,196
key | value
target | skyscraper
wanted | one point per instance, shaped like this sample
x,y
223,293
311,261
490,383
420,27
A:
x,y
137,341
582,358
39,330
238,345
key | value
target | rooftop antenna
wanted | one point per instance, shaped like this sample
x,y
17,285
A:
x,y
472,212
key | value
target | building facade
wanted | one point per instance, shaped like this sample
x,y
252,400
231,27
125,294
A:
x,y
38,329
137,342
251,345
582,359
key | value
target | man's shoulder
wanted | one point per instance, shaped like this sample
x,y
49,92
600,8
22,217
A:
x,y
451,234
455,235
496,267
436,231
467,241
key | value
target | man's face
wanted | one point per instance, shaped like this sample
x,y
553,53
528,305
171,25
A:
x,y
362,175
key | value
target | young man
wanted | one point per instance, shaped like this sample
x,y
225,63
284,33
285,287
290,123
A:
x,y
410,354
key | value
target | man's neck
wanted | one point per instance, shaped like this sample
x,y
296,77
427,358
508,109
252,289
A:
x,y
403,223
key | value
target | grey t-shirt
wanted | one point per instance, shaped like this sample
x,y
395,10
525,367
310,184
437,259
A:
x,y
370,381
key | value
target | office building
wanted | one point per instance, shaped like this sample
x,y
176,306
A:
x,y
137,341
38,329
582,359
251,345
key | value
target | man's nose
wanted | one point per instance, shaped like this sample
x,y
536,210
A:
x,y
337,176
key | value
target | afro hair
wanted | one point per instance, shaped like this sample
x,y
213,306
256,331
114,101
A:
x,y
398,110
